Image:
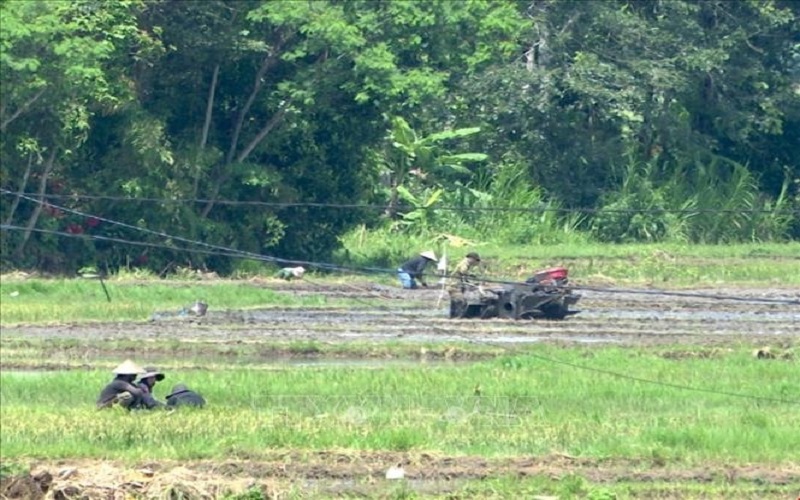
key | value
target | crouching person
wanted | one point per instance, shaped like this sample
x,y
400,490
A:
x,y
182,396
146,384
122,390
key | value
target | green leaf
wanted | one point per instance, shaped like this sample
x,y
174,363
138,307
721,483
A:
x,y
433,198
406,195
452,134
460,157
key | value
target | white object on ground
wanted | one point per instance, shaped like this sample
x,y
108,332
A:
x,y
395,473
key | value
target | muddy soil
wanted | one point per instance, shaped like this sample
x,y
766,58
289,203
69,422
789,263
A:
x,y
364,474
387,314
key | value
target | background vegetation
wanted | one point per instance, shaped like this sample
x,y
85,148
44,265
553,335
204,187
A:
x,y
614,121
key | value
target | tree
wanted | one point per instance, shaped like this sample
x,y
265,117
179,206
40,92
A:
x,y
60,68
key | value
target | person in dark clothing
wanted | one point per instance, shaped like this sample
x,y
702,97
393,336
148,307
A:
x,y
413,270
182,396
147,381
122,390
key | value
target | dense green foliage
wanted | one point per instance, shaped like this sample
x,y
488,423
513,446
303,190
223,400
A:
x,y
656,113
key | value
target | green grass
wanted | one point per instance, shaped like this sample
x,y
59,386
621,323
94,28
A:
x,y
68,300
526,406
60,353
71,300
673,264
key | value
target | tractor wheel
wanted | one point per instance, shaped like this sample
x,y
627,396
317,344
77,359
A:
x,y
554,310
457,308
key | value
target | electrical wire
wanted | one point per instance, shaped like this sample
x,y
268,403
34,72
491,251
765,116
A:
x,y
231,252
219,251
603,371
239,254
648,381
402,208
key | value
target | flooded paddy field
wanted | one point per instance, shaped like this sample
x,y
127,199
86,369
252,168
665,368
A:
x,y
382,314
386,328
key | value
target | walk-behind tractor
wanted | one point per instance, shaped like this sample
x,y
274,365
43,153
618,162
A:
x,y
545,295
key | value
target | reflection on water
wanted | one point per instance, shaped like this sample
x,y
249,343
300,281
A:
x,y
507,339
695,315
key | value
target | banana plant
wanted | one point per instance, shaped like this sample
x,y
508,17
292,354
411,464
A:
x,y
420,215
410,159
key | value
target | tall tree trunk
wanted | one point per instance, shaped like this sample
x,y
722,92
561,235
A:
x,y
391,210
258,82
23,185
273,122
48,167
7,121
206,126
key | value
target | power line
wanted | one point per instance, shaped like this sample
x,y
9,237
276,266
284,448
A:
x,y
167,236
239,254
374,207
234,253
608,372
649,381
84,236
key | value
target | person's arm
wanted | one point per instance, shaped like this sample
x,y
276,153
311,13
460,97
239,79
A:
x,y
415,268
135,398
110,393
125,386
422,265
149,402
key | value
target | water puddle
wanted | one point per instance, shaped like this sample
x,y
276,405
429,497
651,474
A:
x,y
483,339
696,315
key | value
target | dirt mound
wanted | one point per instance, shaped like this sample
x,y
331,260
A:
x,y
25,486
90,481
343,472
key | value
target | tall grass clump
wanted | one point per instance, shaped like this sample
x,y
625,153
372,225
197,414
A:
x,y
499,208
710,200
383,246
729,205
513,211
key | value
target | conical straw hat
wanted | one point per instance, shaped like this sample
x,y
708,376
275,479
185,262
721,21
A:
x,y
128,367
428,254
152,371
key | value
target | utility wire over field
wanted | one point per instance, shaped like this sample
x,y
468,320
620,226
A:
x,y
543,208
326,266
318,153
230,252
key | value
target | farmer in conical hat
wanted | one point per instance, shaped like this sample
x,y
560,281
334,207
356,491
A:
x,y
414,269
122,389
182,396
147,381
